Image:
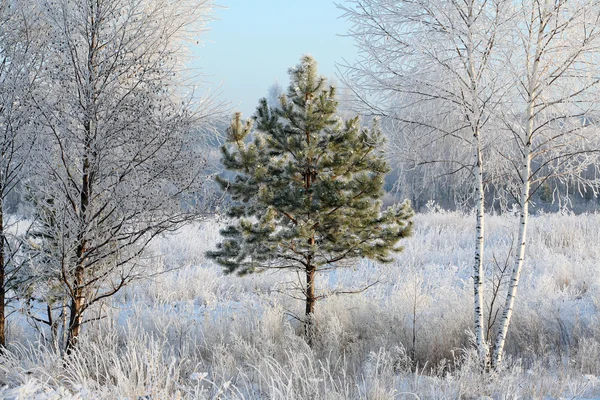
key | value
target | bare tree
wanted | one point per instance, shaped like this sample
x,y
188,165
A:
x,y
431,66
552,112
120,163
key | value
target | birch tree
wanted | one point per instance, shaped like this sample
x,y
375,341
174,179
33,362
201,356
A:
x,y
430,65
555,101
120,164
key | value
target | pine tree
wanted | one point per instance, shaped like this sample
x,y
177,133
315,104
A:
x,y
307,188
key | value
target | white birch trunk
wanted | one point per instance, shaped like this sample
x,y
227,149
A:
x,y
478,274
518,267
533,87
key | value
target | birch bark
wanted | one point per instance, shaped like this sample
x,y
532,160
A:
x,y
560,88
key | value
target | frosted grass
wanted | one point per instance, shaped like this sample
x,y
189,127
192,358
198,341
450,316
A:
x,y
195,333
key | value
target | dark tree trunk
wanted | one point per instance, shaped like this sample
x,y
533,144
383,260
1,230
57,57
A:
x,y
309,323
78,300
77,305
75,310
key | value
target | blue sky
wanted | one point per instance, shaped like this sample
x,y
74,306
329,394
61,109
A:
x,y
254,42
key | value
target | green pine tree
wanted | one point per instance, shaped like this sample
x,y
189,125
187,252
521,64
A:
x,y
306,194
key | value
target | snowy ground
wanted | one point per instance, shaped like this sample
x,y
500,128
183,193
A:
x,y
195,333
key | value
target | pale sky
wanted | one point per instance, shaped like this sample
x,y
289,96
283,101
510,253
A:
x,y
254,42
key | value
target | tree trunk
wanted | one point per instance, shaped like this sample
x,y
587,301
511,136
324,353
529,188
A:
x,y
309,315
77,305
76,310
518,266
309,322
53,326
516,273
478,273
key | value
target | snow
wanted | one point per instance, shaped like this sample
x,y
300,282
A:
x,y
195,333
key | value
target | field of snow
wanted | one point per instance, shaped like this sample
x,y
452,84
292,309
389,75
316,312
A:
x,y
195,333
